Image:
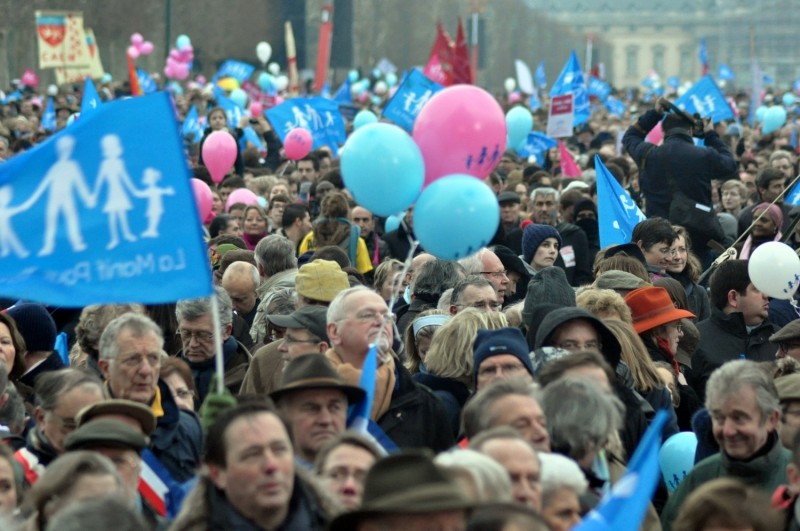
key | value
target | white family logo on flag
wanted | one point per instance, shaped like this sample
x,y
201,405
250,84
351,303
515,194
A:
x,y
702,106
310,119
414,104
65,183
631,210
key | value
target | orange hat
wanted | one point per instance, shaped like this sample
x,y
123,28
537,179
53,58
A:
x,y
652,307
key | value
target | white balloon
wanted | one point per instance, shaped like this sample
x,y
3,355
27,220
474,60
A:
x,y
381,87
510,84
274,69
281,82
774,269
52,90
263,51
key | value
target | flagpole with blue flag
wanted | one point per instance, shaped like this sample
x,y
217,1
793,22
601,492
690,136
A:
x,y
571,81
91,100
624,507
617,213
49,116
359,417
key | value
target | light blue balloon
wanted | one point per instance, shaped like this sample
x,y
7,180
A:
x,y
183,41
519,122
392,223
265,81
391,79
175,88
352,76
788,99
262,201
364,117
376,73
106,78
774,119
760,112
376,100
383,168
455,216
676,457
239,97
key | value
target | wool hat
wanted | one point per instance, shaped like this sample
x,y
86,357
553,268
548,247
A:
x,y
312,317
490,343
788,387
619,280
510,260
35,325
548,286
407,482
119,407
652,307
533,237
314,371
584,204
773,211
508,197
321,280
106,433
789,331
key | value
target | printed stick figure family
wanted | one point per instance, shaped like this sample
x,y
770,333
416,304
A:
x,y
65,180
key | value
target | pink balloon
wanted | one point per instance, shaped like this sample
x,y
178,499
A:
x,y
201,80
219,154
146,48
298,143
256,109
168,72
133,52
181,71
29,78
137,39
241,195
203,198
462,129
174,54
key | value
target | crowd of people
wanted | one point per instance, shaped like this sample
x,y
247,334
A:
x,y
512,386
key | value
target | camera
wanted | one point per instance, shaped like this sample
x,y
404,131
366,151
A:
x,y
698,125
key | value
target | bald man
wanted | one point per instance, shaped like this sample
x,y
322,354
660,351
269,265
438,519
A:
x,y
240,281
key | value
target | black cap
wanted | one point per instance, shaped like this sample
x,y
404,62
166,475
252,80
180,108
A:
x,y
508,197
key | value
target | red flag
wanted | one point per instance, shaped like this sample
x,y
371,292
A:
x,y
462,71
324,47
440,63
569,168
133,79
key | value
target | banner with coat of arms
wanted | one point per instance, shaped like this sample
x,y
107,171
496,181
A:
x,y
62,40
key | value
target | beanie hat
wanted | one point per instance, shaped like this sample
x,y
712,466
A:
x,y
548,286
584,204
490,343
533,237
35,325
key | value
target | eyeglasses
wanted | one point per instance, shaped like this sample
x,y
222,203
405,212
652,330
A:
x,y
505,368
574,345
676,326
482,305
786,346
496,274
201,337
184,393
66,423
371,316
289,340
153,360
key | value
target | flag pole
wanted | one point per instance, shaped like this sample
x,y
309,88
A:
x,y
219,363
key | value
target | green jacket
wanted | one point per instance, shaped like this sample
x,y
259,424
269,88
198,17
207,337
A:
x,y
767,472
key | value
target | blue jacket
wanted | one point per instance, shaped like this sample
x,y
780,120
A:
x,y
178,439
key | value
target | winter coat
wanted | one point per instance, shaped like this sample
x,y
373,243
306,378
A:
x,y
399,242
573,256
696,295
452,393
236,359
265,371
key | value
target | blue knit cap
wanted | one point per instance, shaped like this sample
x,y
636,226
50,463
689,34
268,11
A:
x,y
533,237
490,343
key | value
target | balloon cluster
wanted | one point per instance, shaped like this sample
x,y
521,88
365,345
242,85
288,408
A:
x,y
179,62
373,88
139,46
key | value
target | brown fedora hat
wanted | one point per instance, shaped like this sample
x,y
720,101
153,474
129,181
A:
x,y
314,371
407,482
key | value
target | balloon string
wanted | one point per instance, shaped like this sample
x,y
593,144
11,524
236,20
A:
x,y
396,287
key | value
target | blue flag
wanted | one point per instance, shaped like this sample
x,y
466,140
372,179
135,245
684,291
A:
x,y
624,507
191,126
238,70
411,96
707,99
49,116
571,81
358,418
702,54
673,82
91,100
536,144
768,79
101,213
326,91
233,112
533,101
725,73
14,96
541,79
344,92
251,136
146,82
617,213
615,106
320,116
599,88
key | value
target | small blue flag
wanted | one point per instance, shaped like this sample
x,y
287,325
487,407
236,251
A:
x,y
107,213
146,82
14,96
251,136
617,213
344,92
411,96
793,195
599,88
233,112
536,144
359,415
533,101
624,507
673,82
615,106
541,79
571,81
768,79
707,99
91,100
62,347
320,116
725,73
238,70
191,126
49,116
326,91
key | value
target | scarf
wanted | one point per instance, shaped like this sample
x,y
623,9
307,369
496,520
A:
x,y
384,381
750,245
251,240
663,346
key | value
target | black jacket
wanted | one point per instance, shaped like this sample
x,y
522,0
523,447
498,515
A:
x,y
691,167
416,418
178,439
236,360
399,242
452,393
575,246
696,295
724,338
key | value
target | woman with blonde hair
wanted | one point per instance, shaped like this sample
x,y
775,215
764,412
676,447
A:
x,y
419,336
450,358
